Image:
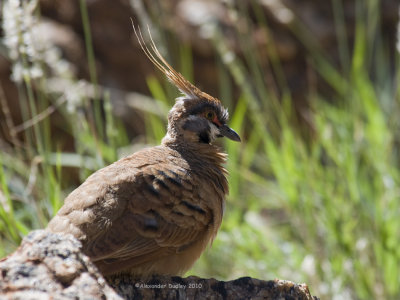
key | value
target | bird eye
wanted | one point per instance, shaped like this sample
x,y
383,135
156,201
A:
x,y
210,115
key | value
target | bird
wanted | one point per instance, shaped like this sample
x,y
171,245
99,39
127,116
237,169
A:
x,y
155,211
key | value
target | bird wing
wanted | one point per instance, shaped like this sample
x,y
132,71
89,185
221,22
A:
x,y
144,206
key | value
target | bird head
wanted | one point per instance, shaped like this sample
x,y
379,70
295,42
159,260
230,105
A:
x,y
199,120
196,116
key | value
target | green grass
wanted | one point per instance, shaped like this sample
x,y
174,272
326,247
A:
x,y
321,209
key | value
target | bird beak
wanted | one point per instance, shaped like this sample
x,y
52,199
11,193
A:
x,y
224,130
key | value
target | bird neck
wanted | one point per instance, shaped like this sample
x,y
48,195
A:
x,y
207,159
194,150
201,150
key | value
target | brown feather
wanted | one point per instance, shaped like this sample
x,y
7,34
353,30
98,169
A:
x,y
143,208
175,77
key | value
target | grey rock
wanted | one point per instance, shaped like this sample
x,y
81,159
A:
x,y
51,266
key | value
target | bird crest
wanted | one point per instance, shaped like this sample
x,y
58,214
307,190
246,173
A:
x,y
176,78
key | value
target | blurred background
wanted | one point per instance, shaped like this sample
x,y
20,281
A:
x,y
312,88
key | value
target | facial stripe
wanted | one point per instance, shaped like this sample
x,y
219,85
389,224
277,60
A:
x,y
222,113
214,132
204,137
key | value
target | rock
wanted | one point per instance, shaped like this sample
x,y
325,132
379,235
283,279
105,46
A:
x,y
52,266
199,288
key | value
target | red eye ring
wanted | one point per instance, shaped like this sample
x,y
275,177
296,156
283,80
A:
x,y
210,115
